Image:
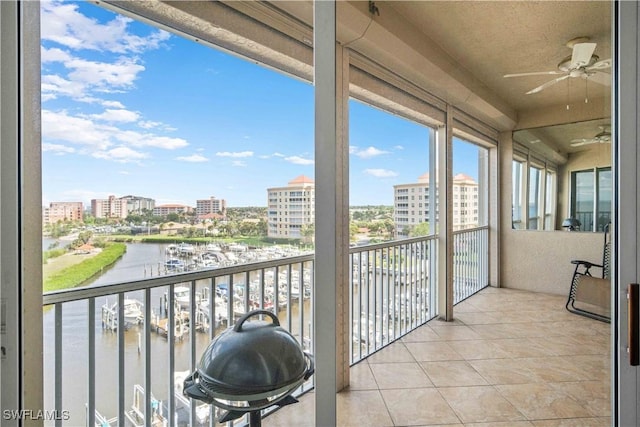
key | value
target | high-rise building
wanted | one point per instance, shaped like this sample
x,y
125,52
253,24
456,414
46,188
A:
x,y
112,207
138,205
290,208
62,211
163,210
211,206
412,203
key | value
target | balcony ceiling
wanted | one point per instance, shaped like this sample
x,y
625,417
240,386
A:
x,y
458,51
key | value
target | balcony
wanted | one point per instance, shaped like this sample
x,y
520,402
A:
x,y
97,369
510,358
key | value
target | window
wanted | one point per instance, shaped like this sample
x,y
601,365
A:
x,y
517,197
591,192
550,200
534,197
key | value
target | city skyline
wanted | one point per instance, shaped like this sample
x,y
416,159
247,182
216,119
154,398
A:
x,y
131,109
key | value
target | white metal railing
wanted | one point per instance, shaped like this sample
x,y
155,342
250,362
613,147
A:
x,y
392,292
214,297
470,262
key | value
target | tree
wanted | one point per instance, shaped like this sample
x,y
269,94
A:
x,y
308,231
421,229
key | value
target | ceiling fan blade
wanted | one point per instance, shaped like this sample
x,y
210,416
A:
x,y
547,84
600,65
599,77
535,73
581,56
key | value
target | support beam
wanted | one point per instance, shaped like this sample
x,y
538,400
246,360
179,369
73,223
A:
x,y
445,215
331,320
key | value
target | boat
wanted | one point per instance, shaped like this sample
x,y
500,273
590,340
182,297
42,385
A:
x,y
174,264
133,314
185,249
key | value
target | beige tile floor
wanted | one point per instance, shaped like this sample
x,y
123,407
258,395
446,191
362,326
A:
x,y
510,358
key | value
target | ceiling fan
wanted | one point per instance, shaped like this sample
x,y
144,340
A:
x,y
604,136
581,63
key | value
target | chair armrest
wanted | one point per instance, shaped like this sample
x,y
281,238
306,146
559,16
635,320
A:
x,y
587,264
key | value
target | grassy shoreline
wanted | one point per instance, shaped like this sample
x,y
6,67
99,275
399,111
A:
x,y
77,274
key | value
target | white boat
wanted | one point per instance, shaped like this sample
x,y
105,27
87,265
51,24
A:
x,y
133,314
174,264
212,247
186,249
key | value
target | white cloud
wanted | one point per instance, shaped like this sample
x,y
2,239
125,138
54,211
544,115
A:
x,y
367,153
138,139
398,147
57,148
297,160
65,25
120,154
268,156
194,158
77,130
381,173
120,115
53,55
111,104
105,76
99,137
234,154
239,163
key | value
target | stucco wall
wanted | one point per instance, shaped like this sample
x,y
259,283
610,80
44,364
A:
x,y
538,261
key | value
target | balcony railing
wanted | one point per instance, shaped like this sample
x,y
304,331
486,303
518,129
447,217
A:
x,y
470,262
392,292
93,366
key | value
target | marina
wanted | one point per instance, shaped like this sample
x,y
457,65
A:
x,y
231,294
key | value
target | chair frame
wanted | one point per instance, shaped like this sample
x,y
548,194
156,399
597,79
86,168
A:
x,y
583,268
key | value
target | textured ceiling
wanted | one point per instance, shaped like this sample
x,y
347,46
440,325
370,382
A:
x,y
490,39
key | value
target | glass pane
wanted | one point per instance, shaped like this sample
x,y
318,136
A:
x,y
550,201
584,194
517,199
469,184
388,176
534,197
605,189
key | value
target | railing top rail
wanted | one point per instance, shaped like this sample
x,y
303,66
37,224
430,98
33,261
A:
x,y
85,292
356,249
469,230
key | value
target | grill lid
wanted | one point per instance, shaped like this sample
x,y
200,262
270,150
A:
x,y
252,365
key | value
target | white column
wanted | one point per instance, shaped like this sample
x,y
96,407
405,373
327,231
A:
x,y
20,209
445,214
331,324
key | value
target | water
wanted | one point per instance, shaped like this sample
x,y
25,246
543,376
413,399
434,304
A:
x,y
140,261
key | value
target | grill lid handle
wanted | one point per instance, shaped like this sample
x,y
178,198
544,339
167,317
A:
x,y
238,326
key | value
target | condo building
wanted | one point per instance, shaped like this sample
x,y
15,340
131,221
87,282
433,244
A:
x,y
211,206
62,211
113,207
138,205
163,210
290,208
412,203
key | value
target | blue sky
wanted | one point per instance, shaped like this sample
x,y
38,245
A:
x,y
131,109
